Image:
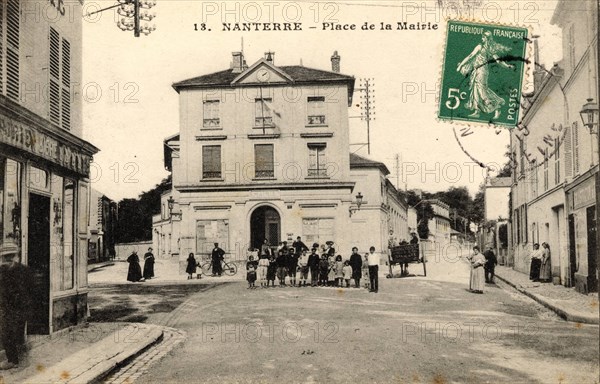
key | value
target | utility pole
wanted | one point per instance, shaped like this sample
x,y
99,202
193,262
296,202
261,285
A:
x,y
367,106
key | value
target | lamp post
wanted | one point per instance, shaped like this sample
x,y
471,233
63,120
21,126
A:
x,y
171,204
358,202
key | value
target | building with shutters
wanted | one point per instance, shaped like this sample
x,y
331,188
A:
x,y
262,153
556,158
44,163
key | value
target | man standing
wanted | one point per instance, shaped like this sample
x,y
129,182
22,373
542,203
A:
x,y
373,260
356,264
313,265
490,264
15,303
217,258
536,263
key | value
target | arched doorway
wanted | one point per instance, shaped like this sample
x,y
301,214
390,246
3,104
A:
x,y
265,223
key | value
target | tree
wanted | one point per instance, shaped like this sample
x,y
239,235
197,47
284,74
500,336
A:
x,y
424,211
135,215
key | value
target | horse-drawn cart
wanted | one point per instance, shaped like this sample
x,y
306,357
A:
x,y
403,255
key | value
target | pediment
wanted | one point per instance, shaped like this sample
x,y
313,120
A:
x,y
262,72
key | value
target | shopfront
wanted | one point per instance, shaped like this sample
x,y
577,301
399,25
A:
x,y
44,194
582,222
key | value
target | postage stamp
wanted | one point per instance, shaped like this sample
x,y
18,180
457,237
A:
x,y
483,72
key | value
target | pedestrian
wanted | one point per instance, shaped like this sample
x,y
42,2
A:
x,y
251,267
490,265
313,265
271,270
477,278
414,249
135,271
299,246
365,272
292,266
265,248
282,264
347,272
263,266
373,259
546,268
330,248
536,262
148,264
16,282
303,268
217,257
339,271
356,265
323,270
192,266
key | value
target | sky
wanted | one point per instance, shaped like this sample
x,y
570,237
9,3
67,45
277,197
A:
x,y
130,107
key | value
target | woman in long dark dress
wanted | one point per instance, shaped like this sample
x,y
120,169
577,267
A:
x,y
192,264
148,264
135,271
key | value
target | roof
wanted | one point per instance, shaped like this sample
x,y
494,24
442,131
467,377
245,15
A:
x,y
298,73
499,182
357,161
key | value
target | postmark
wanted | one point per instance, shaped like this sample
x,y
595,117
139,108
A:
x,y
483,73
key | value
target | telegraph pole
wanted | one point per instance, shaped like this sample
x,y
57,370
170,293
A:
x,y
367,106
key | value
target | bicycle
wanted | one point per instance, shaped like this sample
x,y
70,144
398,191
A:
x,y
229,269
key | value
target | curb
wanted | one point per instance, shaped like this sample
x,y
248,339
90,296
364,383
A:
x,y
100,361
574,317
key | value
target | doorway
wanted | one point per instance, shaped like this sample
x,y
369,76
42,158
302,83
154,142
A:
x,y
38,259
592,248
572,251
265,223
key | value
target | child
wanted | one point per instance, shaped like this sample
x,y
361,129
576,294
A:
x,y
263,266
339,273
292,265
303,268
313,265
282,264
251,272
347,272
365,272
323,270
192,265
271,271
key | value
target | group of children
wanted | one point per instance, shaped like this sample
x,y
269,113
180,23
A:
x,y
294,264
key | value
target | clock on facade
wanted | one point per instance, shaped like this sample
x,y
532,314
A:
x,y
262,75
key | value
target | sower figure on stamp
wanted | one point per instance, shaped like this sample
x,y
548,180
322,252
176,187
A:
x,y
15,305
481,97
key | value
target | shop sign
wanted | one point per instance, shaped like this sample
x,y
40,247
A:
x,y
584,194
35,142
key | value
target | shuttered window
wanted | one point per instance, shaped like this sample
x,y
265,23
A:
x,y
211,162
9,48
557,145
263,161
316,160
576,147
263,112
60,80
211,118
568,143
316,110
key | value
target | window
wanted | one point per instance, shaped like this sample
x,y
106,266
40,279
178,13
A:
x,y
546,161
317,230
263,161
316,110
209,232
10,202
316,160
576,147
67,265
60,80
211,162
9,48
263,116
557,144
210,115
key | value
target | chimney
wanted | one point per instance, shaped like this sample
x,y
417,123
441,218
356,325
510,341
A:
x,y
237,62
335,62
270,57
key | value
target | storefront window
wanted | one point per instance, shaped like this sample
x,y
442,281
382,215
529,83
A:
x,y
38,179
56,235
68,234
11,202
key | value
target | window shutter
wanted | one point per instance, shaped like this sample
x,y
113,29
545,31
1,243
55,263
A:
x,y
263,160
54,92
1,47
12,51
211,161
576,147
66,81
568,143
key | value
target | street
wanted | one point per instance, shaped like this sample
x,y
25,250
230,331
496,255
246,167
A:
x,y
416,329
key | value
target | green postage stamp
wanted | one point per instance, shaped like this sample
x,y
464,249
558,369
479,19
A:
x,y
483,72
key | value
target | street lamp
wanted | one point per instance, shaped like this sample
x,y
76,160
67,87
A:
x,y
171,203
358,202
589,117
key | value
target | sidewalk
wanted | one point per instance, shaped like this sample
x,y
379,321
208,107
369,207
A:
x,y
566,302
82,354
